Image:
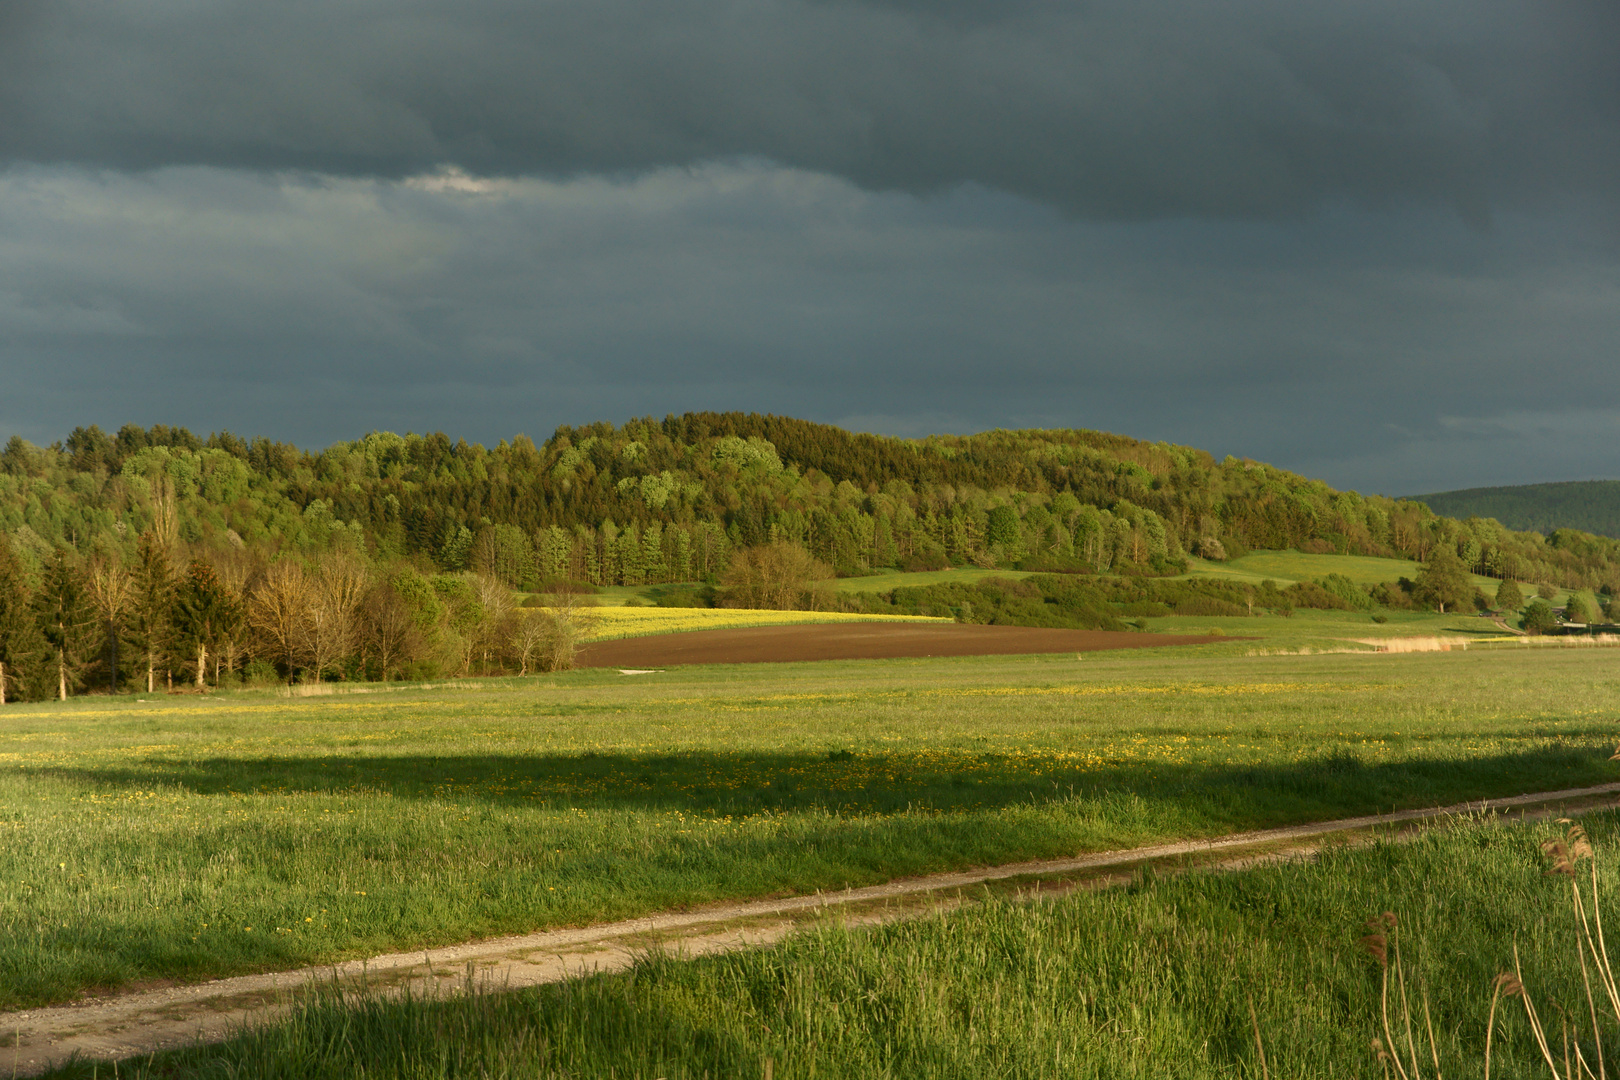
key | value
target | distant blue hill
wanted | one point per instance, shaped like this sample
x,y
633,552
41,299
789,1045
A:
x,y
1589,505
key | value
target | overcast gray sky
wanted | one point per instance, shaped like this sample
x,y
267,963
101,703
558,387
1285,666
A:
x,y
1374,242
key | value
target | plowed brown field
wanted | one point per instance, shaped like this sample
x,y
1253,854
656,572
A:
x,y
860,641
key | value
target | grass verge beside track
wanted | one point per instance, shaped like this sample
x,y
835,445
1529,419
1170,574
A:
x,y
1152,980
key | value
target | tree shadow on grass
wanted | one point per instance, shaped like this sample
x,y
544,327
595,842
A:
x,y
878,783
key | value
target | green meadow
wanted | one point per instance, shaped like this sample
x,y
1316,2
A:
x,y
1155,979
188,837
1287,567
1282,567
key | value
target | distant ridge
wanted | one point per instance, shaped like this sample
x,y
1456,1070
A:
x,y
1588,505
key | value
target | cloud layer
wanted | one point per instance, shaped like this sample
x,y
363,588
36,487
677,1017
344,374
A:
x,y
1128,109
1384,352
1369,240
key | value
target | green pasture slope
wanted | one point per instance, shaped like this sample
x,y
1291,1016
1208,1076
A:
x,y
887,580
1153,980
185,837
1282,567
1287,567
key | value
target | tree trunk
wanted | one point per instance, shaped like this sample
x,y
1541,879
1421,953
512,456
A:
x,y
202,664
2,683
151,674
61,674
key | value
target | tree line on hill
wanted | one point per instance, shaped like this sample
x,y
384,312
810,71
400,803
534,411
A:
x,y
655,501
1589,505
154,557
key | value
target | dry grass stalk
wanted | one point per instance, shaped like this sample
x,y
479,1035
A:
x,y
1259,1046
1565,855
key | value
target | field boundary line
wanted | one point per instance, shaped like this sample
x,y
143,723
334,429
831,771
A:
x,y
147,1021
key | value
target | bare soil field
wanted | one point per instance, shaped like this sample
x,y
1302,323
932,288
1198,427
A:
x,y
861,641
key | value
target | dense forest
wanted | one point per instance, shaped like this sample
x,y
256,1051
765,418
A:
x,y
654,501
398,555
1589,505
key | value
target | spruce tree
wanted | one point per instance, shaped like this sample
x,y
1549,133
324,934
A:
x,y
19,640
204,613
152,607
62,613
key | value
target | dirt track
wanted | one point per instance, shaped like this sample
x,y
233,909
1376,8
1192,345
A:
x,y
861,641
151,1020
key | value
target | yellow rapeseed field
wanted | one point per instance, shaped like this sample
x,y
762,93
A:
x,y
625,622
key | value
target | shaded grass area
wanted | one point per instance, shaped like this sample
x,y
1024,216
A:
x,y
1156,979
193,838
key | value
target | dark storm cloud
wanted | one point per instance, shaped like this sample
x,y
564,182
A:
x,y
1136,108
1384,351
1370,240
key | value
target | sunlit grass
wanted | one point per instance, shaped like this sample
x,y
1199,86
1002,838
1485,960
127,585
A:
x,y
188,837
1287,567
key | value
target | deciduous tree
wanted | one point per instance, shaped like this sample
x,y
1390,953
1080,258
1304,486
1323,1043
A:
x,y
388,629
1444,583
111,592
1538,617
278,612
565,621
338,586
780,576
494,630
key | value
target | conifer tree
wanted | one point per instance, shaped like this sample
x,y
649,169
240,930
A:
x,y
109,595
65,620
19,641
205,613
152,604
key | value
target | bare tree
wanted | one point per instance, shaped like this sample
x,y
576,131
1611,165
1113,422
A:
x,y
338,587
780,576
530,630
566,620
495,629
112,595
387,628
279,613
236,567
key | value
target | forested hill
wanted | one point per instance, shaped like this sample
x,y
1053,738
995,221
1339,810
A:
x,y
1589,505
668,500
